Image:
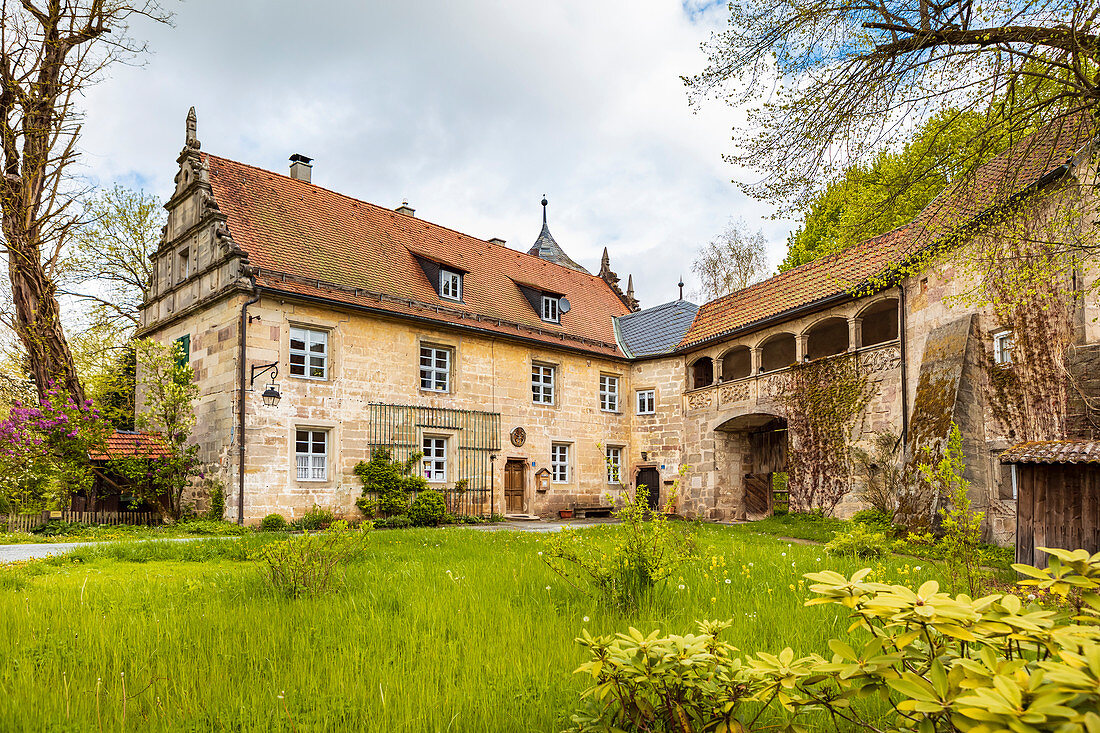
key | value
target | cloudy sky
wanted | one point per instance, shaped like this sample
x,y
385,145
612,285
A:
x,y
471,110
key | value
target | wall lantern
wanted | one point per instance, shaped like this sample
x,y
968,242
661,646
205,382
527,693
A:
x,y
270,395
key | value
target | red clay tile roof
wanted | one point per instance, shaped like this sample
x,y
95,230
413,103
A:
x,y
992,184
308,240
124,444
1053,451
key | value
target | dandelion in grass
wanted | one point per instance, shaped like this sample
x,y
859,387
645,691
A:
x,y
681,586
727,581
586,619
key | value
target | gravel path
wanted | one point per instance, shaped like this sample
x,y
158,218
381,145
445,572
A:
x,y
12,553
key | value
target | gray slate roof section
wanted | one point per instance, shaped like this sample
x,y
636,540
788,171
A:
x,y
656,330
546,248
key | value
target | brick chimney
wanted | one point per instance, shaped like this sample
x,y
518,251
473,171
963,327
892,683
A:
x,y
405,209
300,167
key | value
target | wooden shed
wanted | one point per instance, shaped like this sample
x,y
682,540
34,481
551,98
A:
x,y
1058,496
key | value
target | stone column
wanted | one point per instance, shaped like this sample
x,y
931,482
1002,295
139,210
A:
x,y
801,344
855,333
755,360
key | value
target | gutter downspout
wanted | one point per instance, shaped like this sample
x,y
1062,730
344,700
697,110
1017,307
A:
x,y
904,376
241,397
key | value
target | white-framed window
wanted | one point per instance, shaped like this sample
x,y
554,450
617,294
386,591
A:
x,y
542,384
559,463
647,401
1003,343
609,393
614,457
185,264
550,309
434,461
435,369
308,353
450,284
311,454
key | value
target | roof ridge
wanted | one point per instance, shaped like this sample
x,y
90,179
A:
x,y
486,242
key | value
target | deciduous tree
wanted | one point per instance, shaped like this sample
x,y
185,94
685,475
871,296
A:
x,y
731,261
50,52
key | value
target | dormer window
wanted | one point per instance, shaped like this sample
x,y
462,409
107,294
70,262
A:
x,y
550,309
450,284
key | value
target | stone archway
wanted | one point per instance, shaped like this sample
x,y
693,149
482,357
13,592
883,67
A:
x,y
763,441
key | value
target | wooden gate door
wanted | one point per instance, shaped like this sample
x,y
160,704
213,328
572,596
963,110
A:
x,y
649,478
758,494
514,480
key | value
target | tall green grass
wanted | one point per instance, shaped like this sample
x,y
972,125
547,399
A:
x,y
431,630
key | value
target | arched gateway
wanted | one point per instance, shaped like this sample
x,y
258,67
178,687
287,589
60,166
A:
x,y
762,439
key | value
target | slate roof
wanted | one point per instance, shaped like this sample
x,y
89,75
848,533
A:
x,y
129,444
994,183
547,248
656,330
308,241
1054,451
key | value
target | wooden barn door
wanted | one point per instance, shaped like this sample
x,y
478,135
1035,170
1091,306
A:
x,y
514,480
758,494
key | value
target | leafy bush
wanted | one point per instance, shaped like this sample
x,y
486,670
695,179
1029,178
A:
x,y
858,541
274,523
316,518
210,527
397,522
388,480
428,509
216,491
304,565
920,660
626,575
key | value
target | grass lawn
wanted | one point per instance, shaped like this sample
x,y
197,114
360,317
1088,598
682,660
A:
x,y
433,630
120,532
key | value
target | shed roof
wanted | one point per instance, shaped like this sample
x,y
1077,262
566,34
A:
x,y
993,184
1053,451
130,444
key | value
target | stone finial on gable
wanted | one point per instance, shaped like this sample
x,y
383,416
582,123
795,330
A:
x,y
192,130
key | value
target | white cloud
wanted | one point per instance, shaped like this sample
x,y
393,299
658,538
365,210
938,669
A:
x,y
469,110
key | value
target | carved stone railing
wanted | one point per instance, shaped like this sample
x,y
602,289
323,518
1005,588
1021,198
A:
x,y
876,359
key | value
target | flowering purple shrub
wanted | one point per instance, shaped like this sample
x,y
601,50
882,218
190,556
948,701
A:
x,y
44,450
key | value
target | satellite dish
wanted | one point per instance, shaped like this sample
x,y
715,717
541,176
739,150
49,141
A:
x,y
563,305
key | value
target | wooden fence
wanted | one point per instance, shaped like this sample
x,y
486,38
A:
x,y
27,522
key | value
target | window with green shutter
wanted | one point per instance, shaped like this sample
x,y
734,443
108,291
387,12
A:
x,y
185,350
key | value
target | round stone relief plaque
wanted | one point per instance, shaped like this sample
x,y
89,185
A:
x,y
519,437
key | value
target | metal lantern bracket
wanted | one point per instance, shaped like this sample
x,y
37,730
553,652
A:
x,y
270,395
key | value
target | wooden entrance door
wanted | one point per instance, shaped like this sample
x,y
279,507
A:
x,y
758,495
649,478
515,477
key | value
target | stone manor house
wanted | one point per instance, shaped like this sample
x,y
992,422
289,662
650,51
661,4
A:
x,y
528,382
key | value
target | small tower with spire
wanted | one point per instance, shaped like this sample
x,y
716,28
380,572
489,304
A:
x,y
546,248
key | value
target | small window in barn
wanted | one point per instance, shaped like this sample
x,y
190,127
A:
x,y
702,373
435,369
450,285
647,401
1003,343
880,323
311,454
614,458
778,352
559,462
434,460
542,384
737,363
550,311
1006,487
609,393
827,338
308,353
